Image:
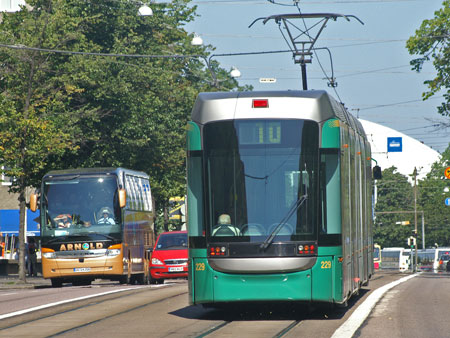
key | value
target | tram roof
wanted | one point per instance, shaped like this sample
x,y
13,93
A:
x,y
316,105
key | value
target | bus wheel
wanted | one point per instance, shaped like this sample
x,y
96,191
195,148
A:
x,y
81,282
132,279
124,280
56,282
140,279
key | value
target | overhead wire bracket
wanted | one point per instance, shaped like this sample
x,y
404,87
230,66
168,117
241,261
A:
x,y
302,41
302,48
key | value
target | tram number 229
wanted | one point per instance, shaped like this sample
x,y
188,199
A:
x,y
199,266
325,264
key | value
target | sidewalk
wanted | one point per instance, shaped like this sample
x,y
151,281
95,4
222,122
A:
x,y
13,282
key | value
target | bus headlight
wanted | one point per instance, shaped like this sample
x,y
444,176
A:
x,y
49,255
156,261
112,252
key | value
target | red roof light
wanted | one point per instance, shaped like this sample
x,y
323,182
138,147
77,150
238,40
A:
x,y
260,103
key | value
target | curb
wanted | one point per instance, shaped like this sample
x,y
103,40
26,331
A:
x,y
15,283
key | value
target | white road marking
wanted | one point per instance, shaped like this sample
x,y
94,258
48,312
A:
x,y
8,294
21,312
352,324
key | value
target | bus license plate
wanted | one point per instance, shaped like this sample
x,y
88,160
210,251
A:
x,y
176,269
81,269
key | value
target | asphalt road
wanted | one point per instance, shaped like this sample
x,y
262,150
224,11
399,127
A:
x,y
417,308
108,309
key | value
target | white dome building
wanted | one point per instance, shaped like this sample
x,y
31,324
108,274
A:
x,y
393,148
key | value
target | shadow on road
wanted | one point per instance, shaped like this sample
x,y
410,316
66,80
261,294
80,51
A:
x,y
268,311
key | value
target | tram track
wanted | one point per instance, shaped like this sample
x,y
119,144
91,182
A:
x,y
86,311
288,328
114,315
215,330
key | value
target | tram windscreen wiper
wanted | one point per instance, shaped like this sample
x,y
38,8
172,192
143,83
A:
x,y
264,245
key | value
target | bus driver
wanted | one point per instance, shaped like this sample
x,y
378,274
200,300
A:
x,y
105,219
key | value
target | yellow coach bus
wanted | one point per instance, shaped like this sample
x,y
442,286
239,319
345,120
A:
x,y
95,223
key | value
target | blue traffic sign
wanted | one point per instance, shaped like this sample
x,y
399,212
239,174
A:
x,y
394,144
447,201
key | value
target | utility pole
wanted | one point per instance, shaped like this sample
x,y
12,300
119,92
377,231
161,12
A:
x,y
415,216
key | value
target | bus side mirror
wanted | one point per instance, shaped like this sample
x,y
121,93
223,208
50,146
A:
x,y
122,198
33,202
376,173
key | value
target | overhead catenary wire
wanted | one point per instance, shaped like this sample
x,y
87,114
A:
x,y
397,103
264,2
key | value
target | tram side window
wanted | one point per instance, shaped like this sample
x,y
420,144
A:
x,y
195,196
330,192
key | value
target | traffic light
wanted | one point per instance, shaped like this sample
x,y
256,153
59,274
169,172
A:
x,y
411,241
376,173
414,232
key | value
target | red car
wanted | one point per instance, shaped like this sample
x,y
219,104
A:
x,y
169,257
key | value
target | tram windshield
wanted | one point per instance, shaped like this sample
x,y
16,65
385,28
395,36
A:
x,y
81,206
262,179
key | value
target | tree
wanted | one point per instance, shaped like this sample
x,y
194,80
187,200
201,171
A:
x,y
431,199
431,43
394,193
90,83
29,101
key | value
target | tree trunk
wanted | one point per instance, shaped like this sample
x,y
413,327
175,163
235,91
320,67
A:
x,y
166,219
22,235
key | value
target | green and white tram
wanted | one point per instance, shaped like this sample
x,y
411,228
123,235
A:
x,y
279,199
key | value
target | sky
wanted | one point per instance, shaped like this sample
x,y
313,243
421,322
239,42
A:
x,y
370,61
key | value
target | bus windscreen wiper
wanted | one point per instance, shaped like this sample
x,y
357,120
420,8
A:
x,y
56,239
264,245
99,234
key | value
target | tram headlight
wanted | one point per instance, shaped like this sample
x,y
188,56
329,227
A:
x,y
306,249
219,250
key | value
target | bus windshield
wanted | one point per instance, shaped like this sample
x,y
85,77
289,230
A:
x,y
80,206
262,176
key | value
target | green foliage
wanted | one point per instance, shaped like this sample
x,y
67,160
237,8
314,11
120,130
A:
x,y
430,42
110,110
26,144
32,103
394,193
431,198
